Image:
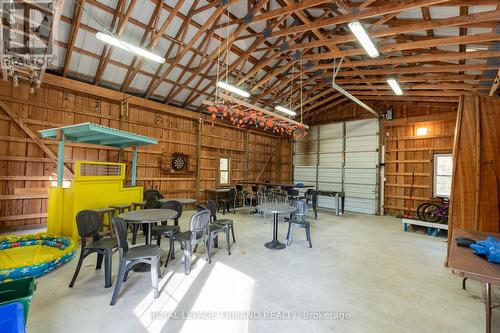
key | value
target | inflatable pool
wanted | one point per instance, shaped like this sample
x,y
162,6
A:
x,y
33,255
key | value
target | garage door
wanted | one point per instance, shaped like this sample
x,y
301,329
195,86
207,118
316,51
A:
x,y
330,167
360,168
305,158
341,157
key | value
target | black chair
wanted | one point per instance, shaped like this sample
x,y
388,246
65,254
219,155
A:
x,y
197,233
292,194
151,203
240,195
226,224
152,192
168,230
89,224
213,229
129,257
298,219
228,202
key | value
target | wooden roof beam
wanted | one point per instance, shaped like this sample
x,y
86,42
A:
x,y
479,38
366,13
154,41
123,16
75,24
402,28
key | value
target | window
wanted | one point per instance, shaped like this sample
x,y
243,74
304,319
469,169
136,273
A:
x,y
443,169
224,177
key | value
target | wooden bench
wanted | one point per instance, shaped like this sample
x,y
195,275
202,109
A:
x,y
432,228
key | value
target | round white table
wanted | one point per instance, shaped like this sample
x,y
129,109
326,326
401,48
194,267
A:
x,y
276,209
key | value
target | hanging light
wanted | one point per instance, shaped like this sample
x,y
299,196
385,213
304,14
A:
x,y
395,86
129,47
363,38
285,110
233,89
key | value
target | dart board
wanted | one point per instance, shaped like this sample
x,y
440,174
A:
x,y
179,162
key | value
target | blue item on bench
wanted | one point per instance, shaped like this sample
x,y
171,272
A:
x,y
12,318
299,185
490,248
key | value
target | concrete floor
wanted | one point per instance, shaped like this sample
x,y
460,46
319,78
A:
x,y
361,267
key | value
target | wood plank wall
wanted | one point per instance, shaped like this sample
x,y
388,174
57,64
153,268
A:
x,y
475,202
408,158
26,172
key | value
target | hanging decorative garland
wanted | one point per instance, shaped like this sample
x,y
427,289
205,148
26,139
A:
x,y
244,117
242,114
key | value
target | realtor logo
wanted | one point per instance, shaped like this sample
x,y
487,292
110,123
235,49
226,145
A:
x,y
27,34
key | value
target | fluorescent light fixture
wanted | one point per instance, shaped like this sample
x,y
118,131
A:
x,y
233,89
285,110
395,86
421,131
129,47
363,38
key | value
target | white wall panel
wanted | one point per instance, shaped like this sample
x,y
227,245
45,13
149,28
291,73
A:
x,y
331,131
361,127
331,145
331,160
305,159
361,160
306,147
304,174
361,143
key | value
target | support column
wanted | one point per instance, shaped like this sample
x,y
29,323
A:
x,y
197,181
60,160
134,165
246,153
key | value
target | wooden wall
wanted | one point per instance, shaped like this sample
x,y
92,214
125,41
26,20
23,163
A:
x,y
26,171
475,202
408,158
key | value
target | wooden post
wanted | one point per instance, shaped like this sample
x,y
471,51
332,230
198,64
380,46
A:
x,y
134,164
246,153
478,161
123,106
60,159
197,193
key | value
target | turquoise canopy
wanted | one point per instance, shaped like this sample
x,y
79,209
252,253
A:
x,y
98,134
95,134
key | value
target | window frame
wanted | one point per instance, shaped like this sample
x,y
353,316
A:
x,y
435,156
219,172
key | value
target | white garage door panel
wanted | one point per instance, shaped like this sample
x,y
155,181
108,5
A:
x,y
361,143
326,202
330,174
304,159
357,141
361,160
305,174
331,160
361,127
366,206
306,147
361,176
330,146
329,186
312,134
359,191
331,131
